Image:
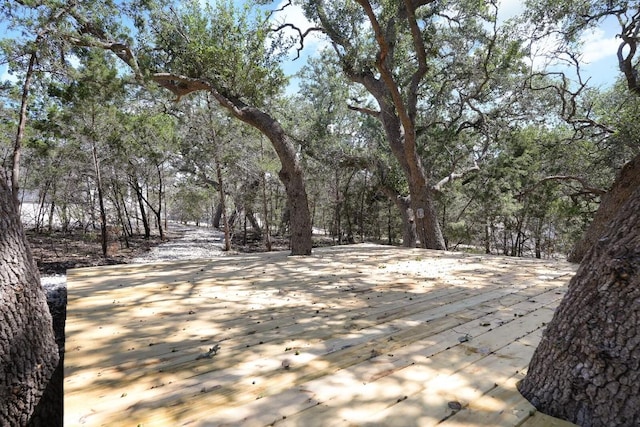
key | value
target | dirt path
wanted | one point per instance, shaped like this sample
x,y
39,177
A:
x,y
190,242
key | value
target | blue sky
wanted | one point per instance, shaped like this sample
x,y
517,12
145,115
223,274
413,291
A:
x,y
599,46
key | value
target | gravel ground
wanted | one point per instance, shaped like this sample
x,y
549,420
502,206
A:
x,y
187,242
191,243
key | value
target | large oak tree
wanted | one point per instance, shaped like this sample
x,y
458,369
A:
x,y
587,366
427,83
227,52
28,351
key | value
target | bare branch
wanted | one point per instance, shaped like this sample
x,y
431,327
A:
x,y
453,176
368,111
582,181
629,36
180,85
121,50
274,11
301,33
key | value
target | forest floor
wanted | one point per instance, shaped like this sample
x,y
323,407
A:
x,y
57,251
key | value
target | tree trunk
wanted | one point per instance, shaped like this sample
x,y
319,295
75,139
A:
x,y
22,122
426,217
28,351
217,216
290,174
160,198
627,181
300,218
487,238
265,211
143,213
103,212
292,178
403,203
223,207
587,366
50,409
426,224
251,216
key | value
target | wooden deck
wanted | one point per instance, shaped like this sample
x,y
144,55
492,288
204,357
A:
x,y
359,335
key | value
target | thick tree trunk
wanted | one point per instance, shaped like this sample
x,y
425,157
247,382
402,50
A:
x,y
28,351
217,216
426,217
422,201
300,219
50,410
627,181
587,366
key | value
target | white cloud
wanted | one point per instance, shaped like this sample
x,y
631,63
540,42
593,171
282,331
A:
x,y
598,45
5,76
544,52
291,13
509,8
595,45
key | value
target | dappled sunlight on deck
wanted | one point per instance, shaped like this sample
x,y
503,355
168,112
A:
x,y
353,335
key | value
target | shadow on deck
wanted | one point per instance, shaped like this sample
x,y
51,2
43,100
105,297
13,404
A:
x,y
353,335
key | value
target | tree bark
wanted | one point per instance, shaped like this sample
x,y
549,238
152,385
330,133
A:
x,y
158,212
397,103
587,366
223,206
217,216
265,211
28,351
406,213
401,137
143,213
627,181
427,226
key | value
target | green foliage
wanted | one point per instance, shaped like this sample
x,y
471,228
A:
x,y
570,17
514,199
190,203
229,46
617,110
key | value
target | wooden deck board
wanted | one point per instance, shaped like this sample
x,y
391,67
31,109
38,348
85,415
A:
x,y
357,335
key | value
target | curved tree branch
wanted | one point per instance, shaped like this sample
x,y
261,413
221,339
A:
x,y
455,175
582,181
368,111
301,33
629,35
